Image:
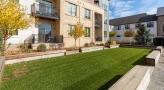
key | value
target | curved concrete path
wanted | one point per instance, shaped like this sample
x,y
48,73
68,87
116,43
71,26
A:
x,y
157,78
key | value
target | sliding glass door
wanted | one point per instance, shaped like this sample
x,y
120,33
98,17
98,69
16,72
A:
x,y
44,33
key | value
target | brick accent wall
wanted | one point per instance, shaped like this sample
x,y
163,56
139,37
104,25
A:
x,y
160,24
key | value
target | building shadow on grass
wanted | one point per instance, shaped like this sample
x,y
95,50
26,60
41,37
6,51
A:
x,y
110,83
141,61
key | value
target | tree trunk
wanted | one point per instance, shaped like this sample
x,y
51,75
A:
x,y
75,43
4,46
79,42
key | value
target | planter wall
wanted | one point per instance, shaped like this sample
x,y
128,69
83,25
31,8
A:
x,y
34,56
90,49
2,62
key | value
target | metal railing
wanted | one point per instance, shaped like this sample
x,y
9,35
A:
x,y
35,38
43,10
98,23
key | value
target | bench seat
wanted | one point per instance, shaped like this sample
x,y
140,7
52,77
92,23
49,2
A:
x,y
137,78
159,48
152,58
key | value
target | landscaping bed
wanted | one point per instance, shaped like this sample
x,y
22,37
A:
x,y
84,71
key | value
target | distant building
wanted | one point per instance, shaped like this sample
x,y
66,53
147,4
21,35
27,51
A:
x,y
153,22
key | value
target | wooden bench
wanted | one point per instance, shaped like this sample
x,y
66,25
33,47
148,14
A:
x,y
152,58
137,78
159,48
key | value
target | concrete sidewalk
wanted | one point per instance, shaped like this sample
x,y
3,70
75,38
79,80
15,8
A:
x,y
157,78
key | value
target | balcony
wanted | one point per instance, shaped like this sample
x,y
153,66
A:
x,y
45,11
98,23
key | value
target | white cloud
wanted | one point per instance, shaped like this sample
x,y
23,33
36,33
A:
x,y
121,8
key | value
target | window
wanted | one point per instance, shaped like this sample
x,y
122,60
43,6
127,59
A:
x,y
105,34
16,32
105,21
137,25
70,27
127,26
104,6
87,14
118,27
72,9
87,30
150,24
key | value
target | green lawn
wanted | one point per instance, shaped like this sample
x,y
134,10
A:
x,y
86,71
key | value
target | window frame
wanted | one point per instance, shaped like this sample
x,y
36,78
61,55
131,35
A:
x,y
118,27
70,27
72,9
86,30
150,24
127,26
87,13
106,34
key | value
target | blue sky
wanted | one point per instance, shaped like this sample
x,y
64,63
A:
x,y
122,8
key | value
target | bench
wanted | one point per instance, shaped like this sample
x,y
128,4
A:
x,y
159,48
90,49
137,78
152,58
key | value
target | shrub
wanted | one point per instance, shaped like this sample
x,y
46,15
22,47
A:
x,y
108,42
86,45
102,44
92,44
41,48
97,44
23,48
113,43
128,33
112,33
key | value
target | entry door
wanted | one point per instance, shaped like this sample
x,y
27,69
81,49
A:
x,y
41,35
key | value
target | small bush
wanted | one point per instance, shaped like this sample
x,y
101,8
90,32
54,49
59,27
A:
x,y
108,42
128,33
41,48
102,44
112,33
97,44
113,43
23,48
92,44
86,45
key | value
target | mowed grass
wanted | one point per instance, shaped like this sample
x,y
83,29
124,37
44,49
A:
x,y
85,71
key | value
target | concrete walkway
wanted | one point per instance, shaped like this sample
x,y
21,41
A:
x,y
157,78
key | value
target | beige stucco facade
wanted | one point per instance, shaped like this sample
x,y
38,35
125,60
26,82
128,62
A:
x,y
59,27
66,19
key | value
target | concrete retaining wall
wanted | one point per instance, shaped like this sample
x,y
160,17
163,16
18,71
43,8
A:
x,y
2,62
42,56
90,49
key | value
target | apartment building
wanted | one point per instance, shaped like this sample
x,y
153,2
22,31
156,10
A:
x,y
120,25
155,23
55,19
104,4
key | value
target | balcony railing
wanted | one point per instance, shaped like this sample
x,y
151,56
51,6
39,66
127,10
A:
x,y
35,38
45,11
98,23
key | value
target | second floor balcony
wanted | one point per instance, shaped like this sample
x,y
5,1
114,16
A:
x,y
98,23
45,11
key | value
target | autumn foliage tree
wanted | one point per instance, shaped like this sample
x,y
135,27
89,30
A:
x,y
77,32
12,18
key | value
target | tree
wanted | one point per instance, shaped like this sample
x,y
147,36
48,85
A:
x,y
12,18
1,43
143,36
128,33
77,32
112,33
